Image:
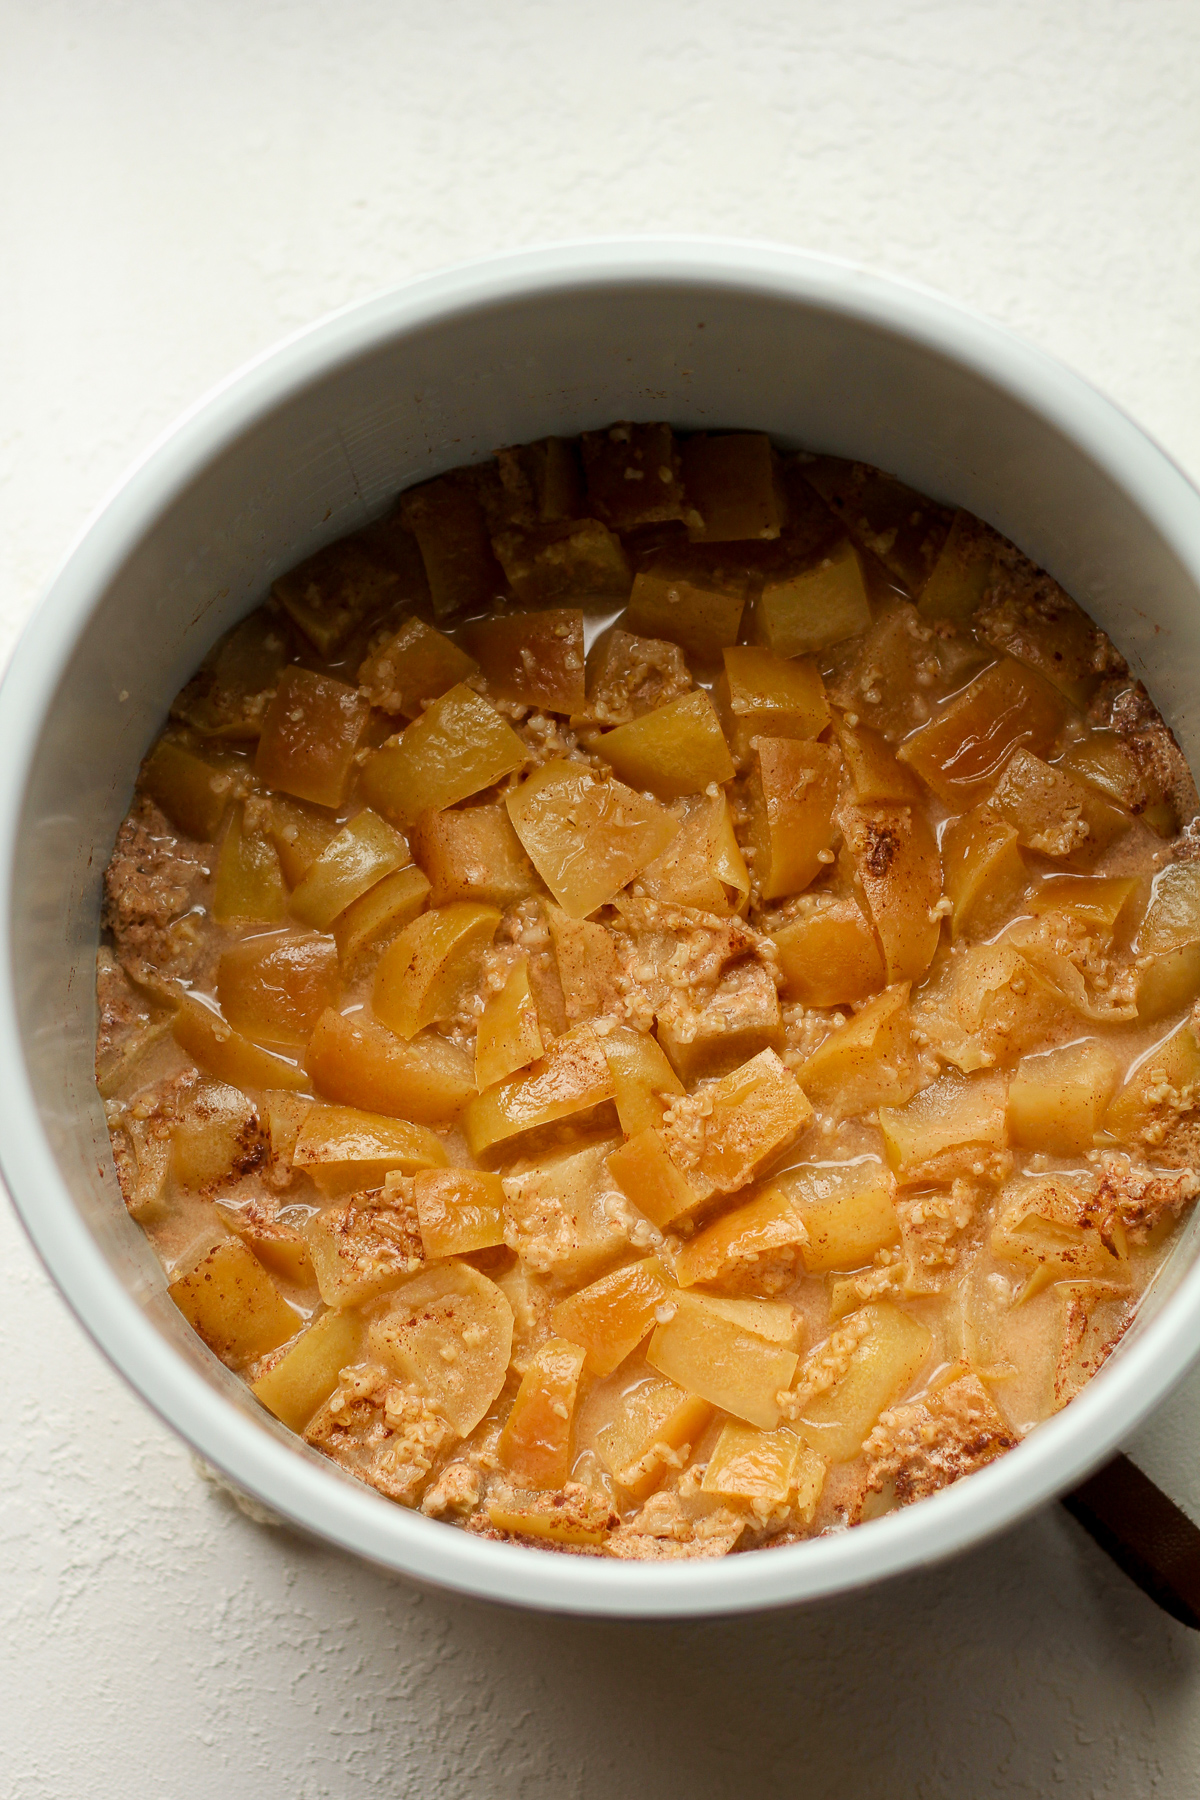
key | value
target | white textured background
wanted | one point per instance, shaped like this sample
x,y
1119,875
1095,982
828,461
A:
x,y
181,182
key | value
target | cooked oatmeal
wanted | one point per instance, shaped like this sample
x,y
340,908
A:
x,y
648,997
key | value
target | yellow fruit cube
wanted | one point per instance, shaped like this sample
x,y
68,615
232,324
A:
x,y
765,1470
1053,814
346,1150
192,791
678,749
299,833
587,837
448,1307
428,968
588,965
307,1374
1056,1100
459,1211
472,853
542,482
828,954
949,1128
722,1360
578,559
699,610
532,659
746,1242
355,1062
628,675
633,474
738,1019
702,866
217,1138
1103,904
1168,943
457,747
641,1074
899,874
657,1426
535,1444
565,1215
791,794
961,575
733,482
249,887
571,1082
965,745
509,1035
814,607
764,695
231,1301
310,735
875,772
747,1121
848,1213
214,1045
275,987
229,693
900,527
1046,1225
983,871
447,520
383,910
412,666
883,1351
361,854
648,1176
868,1062
610,1318
362,1246
1159,1097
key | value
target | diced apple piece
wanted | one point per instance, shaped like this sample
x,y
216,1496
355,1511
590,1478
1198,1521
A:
x,y
581,1517
815,607
899,871
1053,814
989,1003
412,666
1169,981
310,734
1046,1226
764,695
962,573
678,749
984,872
571,1082
364,1245
299,833
193,792
542,482
249,887
362,853
275,987
383,910
733,482
947,1128
738,1019
867,1062
704,1351
330,594
1103,904
966,744
565,1215
280,1247
354,1062
736,1244
1056,1100
449,1307
284,1113
229,693
214,1045
629,675
647,1175
426,970
581,558
904,529
447,520
346,1150
747,1121
875,773
1050,634
473,853
848,1213
535,1444
307,1374
588,963
1168,943
457,747
532,659
640,1074
587,837
1104,761
460,1211
231,1301
702,866
509,1035
828,954
1159,1097
885,1361
610,1318
698,610
633,474
217,1138
764,1469
791,795
657,1425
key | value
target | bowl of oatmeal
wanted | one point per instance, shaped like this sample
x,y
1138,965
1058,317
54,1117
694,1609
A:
x,y
604,924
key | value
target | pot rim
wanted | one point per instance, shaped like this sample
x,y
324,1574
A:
x,y
323,1501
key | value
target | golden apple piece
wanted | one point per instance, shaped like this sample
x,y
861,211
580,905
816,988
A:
x,y
509,1035
733,482
426,970
588,964
744,1243
581,1517
587,837
1054,814
898,871
565,1215
249,886
231,1301
962,573
764,695
217,1138
657,1426
447,520
1156,1105
678,749
791,794
1053,636
533,658
903,529
983,871
648,1176
875,1356
310,736
611,1317
950,1127
867,1062
299,833
708,1349
542,482
459,746
963,748
570,1082
228,695
738,1019
1047,1226
1056,1099
274,987
361,854
875,772
215,1046
382,911
307,1373
535,1444
459,1211
703,865
742,1124
577,558
473,853
848,1213
192,791
815,607
448,1308
1105,905
346,1151
354,1062
698,609
641,1075
281,1248
765,1470
633,474
828,953
364,1245
629,675
1167,945
412,666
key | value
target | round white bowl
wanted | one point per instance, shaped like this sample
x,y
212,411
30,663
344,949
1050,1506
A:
x,y
314,439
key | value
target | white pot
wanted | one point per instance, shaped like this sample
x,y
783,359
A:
x,y
313,440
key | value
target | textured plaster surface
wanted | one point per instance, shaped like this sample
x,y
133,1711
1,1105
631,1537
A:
x,y
183,182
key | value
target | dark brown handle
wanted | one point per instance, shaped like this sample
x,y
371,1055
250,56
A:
x,y
1145,1533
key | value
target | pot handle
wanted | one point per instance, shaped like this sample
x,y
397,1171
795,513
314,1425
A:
x,y
1148,1537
